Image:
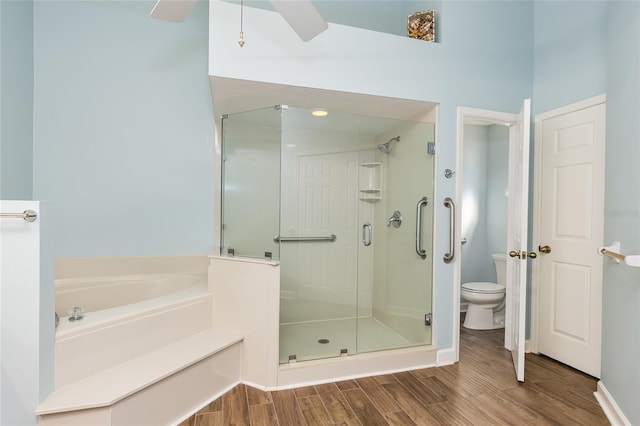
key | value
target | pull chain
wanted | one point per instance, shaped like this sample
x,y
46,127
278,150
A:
x,y
241,38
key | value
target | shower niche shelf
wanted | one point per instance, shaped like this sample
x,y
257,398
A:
x,y
371,181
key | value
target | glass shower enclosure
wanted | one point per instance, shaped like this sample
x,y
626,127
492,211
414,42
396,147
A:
x,y
345,203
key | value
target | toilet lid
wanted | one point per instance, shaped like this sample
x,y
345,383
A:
x,y
484,287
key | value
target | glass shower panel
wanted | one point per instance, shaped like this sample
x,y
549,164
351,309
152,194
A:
x,y
319,235
251,183
396,203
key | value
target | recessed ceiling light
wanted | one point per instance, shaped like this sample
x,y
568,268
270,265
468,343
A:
x,y
319,112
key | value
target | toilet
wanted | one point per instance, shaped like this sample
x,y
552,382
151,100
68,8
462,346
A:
x,y
486,300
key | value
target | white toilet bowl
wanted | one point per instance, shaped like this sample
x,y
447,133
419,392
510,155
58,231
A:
x,y
485,310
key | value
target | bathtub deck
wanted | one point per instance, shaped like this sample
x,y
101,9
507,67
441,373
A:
x,y
119,382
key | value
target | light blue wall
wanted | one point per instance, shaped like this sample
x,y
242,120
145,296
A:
x,y
16,99
570,45
123,128
484,61
383,16
621,287
497,186
476,261
484,205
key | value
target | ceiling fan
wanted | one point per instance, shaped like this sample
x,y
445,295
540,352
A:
x,y
301,15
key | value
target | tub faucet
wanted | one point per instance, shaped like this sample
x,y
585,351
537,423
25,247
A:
x,y
395,219
76,314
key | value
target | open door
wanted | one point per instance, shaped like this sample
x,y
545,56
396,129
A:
x,y
517,237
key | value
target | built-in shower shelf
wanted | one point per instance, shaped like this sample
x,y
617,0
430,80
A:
x,y
371,181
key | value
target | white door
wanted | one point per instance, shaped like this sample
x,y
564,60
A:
x,y
517,237
572,226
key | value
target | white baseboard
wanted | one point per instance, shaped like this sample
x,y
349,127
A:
x,y
609,406
445,357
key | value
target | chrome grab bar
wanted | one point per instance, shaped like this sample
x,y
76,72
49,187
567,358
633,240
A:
x,y
366,236
448,257
28,215
279,239
423,202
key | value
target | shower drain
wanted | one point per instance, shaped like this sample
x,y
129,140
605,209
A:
x,y
323,341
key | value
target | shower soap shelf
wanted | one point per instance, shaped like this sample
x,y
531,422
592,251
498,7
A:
x,y
371,181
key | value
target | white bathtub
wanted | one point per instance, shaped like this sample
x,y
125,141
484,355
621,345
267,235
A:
x,y
124,317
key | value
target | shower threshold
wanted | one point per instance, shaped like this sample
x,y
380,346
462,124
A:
x,y
338,368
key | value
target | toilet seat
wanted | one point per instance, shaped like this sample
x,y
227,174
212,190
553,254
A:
x,y
484,287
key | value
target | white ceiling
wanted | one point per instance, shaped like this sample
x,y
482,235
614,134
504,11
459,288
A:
x,y
234,95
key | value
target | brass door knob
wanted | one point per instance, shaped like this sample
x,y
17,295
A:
x,y
514,253
532,255
544,249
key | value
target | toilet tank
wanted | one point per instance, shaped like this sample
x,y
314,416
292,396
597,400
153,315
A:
x,y
500,262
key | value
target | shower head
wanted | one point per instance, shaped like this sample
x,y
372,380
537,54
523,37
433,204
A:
x,y
386,147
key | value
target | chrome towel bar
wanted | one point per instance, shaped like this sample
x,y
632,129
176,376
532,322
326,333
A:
x,y
279,239
28,215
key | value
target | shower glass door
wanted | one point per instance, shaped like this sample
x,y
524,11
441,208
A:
x,y
319,235
396,205
350,283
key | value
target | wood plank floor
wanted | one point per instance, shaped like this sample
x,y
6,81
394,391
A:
x,y
479,390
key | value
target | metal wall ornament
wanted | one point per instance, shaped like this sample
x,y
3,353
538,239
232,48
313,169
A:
x,y
422,25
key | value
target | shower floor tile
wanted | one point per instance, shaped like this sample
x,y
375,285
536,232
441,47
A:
x,y
305,339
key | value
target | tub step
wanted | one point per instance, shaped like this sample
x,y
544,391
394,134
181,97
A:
x,y
186,373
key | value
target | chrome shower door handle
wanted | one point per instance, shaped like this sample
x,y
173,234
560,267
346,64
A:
x,y
448,257
366,234
421,252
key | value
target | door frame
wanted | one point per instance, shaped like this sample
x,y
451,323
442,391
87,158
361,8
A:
x,y
468,115
532,342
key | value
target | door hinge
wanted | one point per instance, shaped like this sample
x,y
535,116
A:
x,y
428,319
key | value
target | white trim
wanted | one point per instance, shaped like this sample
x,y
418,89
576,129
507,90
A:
x,y
576,106
462,111
535,235
609,406
446,357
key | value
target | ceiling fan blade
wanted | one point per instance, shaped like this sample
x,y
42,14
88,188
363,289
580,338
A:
x,y
172,10
302,16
